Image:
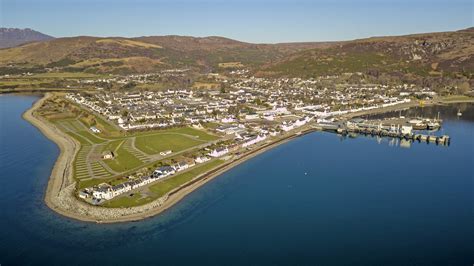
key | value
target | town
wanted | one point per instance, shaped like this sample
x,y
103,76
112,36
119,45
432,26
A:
x,y
243,112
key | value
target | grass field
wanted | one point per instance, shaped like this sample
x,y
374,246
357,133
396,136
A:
x,y
134,151
90,137
124,161
154,144
201,135
163,187
128,201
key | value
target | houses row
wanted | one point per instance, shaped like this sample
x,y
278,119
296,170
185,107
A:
x,y
106,192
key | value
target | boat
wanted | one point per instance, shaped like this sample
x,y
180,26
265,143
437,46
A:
x,y
433,125
418,124
459,112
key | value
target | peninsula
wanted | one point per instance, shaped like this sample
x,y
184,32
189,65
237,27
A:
x,y
150,119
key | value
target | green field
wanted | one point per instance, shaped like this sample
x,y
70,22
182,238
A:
x,y
90,137
124,161
133,151
165,186
154,144
128,201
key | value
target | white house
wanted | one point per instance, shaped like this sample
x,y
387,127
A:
x,y
287,126
180,166
254,140
219,152
228,119
202,159
163,171
103,193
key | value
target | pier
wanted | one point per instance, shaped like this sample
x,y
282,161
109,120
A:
x,y
393,131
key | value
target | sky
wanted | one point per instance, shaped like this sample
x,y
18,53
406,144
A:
x,y
257,21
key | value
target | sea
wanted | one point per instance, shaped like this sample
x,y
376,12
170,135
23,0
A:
x,y
320,199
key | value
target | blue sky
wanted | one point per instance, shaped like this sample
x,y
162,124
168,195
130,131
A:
x,y
260,21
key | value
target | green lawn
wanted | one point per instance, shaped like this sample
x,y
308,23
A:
x,y
113,145
123,161
167,185
153,144
128,201
104,125
195,132
90,182
90,136
81,140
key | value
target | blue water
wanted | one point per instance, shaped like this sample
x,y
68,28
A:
x,y
359,203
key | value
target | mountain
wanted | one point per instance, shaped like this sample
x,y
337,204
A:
x,y
444,54
429,54
11,37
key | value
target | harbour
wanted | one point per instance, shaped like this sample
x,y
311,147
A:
x,y
408,129
420,207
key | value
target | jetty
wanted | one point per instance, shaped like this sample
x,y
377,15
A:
x,y
360,126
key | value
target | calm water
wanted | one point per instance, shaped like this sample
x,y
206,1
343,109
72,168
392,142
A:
x,y
317,200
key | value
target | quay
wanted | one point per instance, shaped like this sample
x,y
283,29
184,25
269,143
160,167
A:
x,y
394,131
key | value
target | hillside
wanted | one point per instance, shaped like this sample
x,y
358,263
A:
x,y
11,37
445,54
431,54
144,54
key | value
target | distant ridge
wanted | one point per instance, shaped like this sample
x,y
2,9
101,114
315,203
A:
x,y
439,55
11,37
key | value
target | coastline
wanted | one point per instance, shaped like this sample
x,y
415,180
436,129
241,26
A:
x,y
60,196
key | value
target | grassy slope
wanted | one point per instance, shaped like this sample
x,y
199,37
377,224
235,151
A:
x,y
435,54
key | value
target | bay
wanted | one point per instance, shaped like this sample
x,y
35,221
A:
x,y
316,200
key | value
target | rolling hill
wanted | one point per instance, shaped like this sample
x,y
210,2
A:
x,y
430,54
143,54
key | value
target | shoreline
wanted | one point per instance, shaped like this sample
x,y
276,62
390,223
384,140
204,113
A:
x,y
60,196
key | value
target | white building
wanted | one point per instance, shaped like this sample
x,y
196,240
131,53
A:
x,y
202,159
219,152
254,140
